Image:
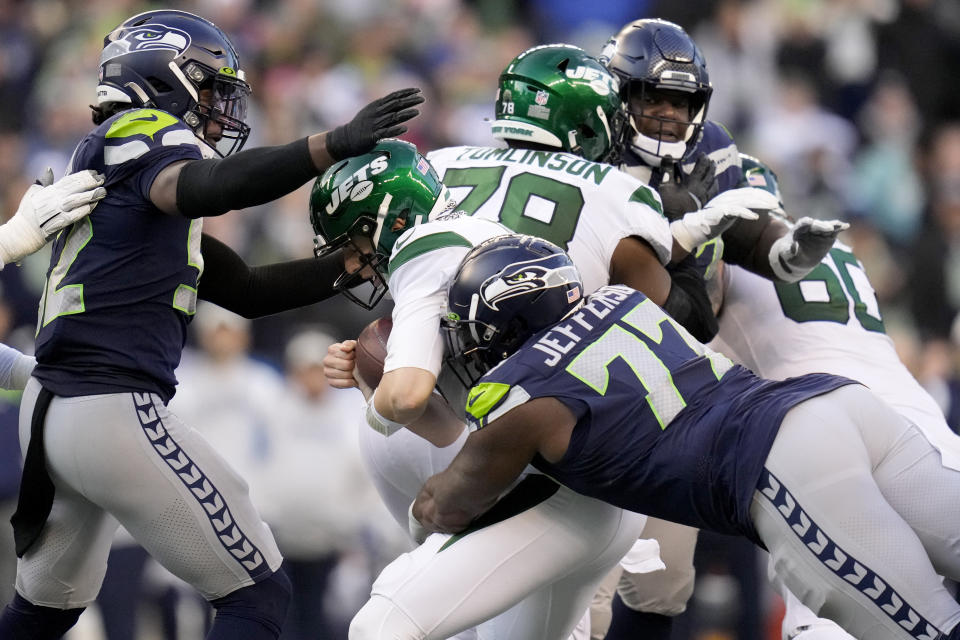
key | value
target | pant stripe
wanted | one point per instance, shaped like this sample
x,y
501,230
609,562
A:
x,y
229,534
843,564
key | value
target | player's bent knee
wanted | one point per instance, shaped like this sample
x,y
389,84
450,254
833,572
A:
x,y
379,618
662,592
265,602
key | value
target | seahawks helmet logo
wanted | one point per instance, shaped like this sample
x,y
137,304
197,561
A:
x,y
146,38
521,278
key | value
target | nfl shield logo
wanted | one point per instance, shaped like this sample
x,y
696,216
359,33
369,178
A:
x,y
541,98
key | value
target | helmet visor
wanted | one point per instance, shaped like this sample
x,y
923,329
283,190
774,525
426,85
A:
x,y
225,104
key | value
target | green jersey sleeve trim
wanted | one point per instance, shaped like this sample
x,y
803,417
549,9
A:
x,y
645,195
427,244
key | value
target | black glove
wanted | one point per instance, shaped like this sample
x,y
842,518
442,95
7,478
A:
x,y
379,119
682,193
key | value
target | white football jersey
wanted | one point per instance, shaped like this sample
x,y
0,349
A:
x,y
584,207
828,322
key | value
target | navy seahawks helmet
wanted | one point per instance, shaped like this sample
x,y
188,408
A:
x,y
506,289
657,55
164,59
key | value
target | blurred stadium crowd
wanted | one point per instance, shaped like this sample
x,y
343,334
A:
x,y
852,102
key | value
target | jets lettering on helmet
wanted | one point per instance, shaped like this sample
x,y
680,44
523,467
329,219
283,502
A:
x,y
358,186
602,83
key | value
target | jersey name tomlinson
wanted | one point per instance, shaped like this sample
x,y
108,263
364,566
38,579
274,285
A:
x,y
559,340
560,162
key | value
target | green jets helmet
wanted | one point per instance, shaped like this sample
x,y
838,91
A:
x,y
366,202
559,96
757,174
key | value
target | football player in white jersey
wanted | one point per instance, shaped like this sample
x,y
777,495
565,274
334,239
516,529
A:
x,y
553,97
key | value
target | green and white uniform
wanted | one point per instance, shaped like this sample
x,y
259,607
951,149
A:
x,y
587,208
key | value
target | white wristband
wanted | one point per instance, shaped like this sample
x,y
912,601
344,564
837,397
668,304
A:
x,y
377,422
782,247
417,530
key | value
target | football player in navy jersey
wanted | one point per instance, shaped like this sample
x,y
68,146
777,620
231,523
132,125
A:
x,y
100,444
613,398
668,141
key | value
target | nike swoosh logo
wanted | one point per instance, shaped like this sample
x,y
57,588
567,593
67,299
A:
x,y
473,397
151,118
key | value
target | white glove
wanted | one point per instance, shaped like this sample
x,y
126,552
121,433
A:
x,y
719,214
47,208
796,254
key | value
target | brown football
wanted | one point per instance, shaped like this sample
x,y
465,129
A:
x,y
372,350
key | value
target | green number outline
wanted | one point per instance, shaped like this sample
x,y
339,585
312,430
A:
x,y
78,237
568,201
484,180
844,260
840,290
665,402
185,296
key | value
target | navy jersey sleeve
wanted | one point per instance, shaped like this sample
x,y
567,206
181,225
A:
x,y
135,146
720,147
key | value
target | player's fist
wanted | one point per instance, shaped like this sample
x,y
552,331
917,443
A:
x,y
338,364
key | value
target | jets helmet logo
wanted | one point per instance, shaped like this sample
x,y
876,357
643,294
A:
x,y
521,278
146,38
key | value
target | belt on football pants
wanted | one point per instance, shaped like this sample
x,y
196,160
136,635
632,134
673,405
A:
x,y
36,487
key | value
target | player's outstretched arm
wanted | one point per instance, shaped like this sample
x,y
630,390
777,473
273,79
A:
x,y
254,292
211,187
771,248
46,208
490,460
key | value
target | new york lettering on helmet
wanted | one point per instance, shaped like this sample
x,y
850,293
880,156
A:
x,y
664,87
557,96
180,63
363,204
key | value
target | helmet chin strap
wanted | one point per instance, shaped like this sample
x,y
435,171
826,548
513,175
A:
x,y
652,151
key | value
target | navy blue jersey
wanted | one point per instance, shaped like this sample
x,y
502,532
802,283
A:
x,y
122,283
665,426
719,146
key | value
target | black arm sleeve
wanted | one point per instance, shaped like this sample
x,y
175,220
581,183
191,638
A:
x,y
253,292
740,240
213,187
688,302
